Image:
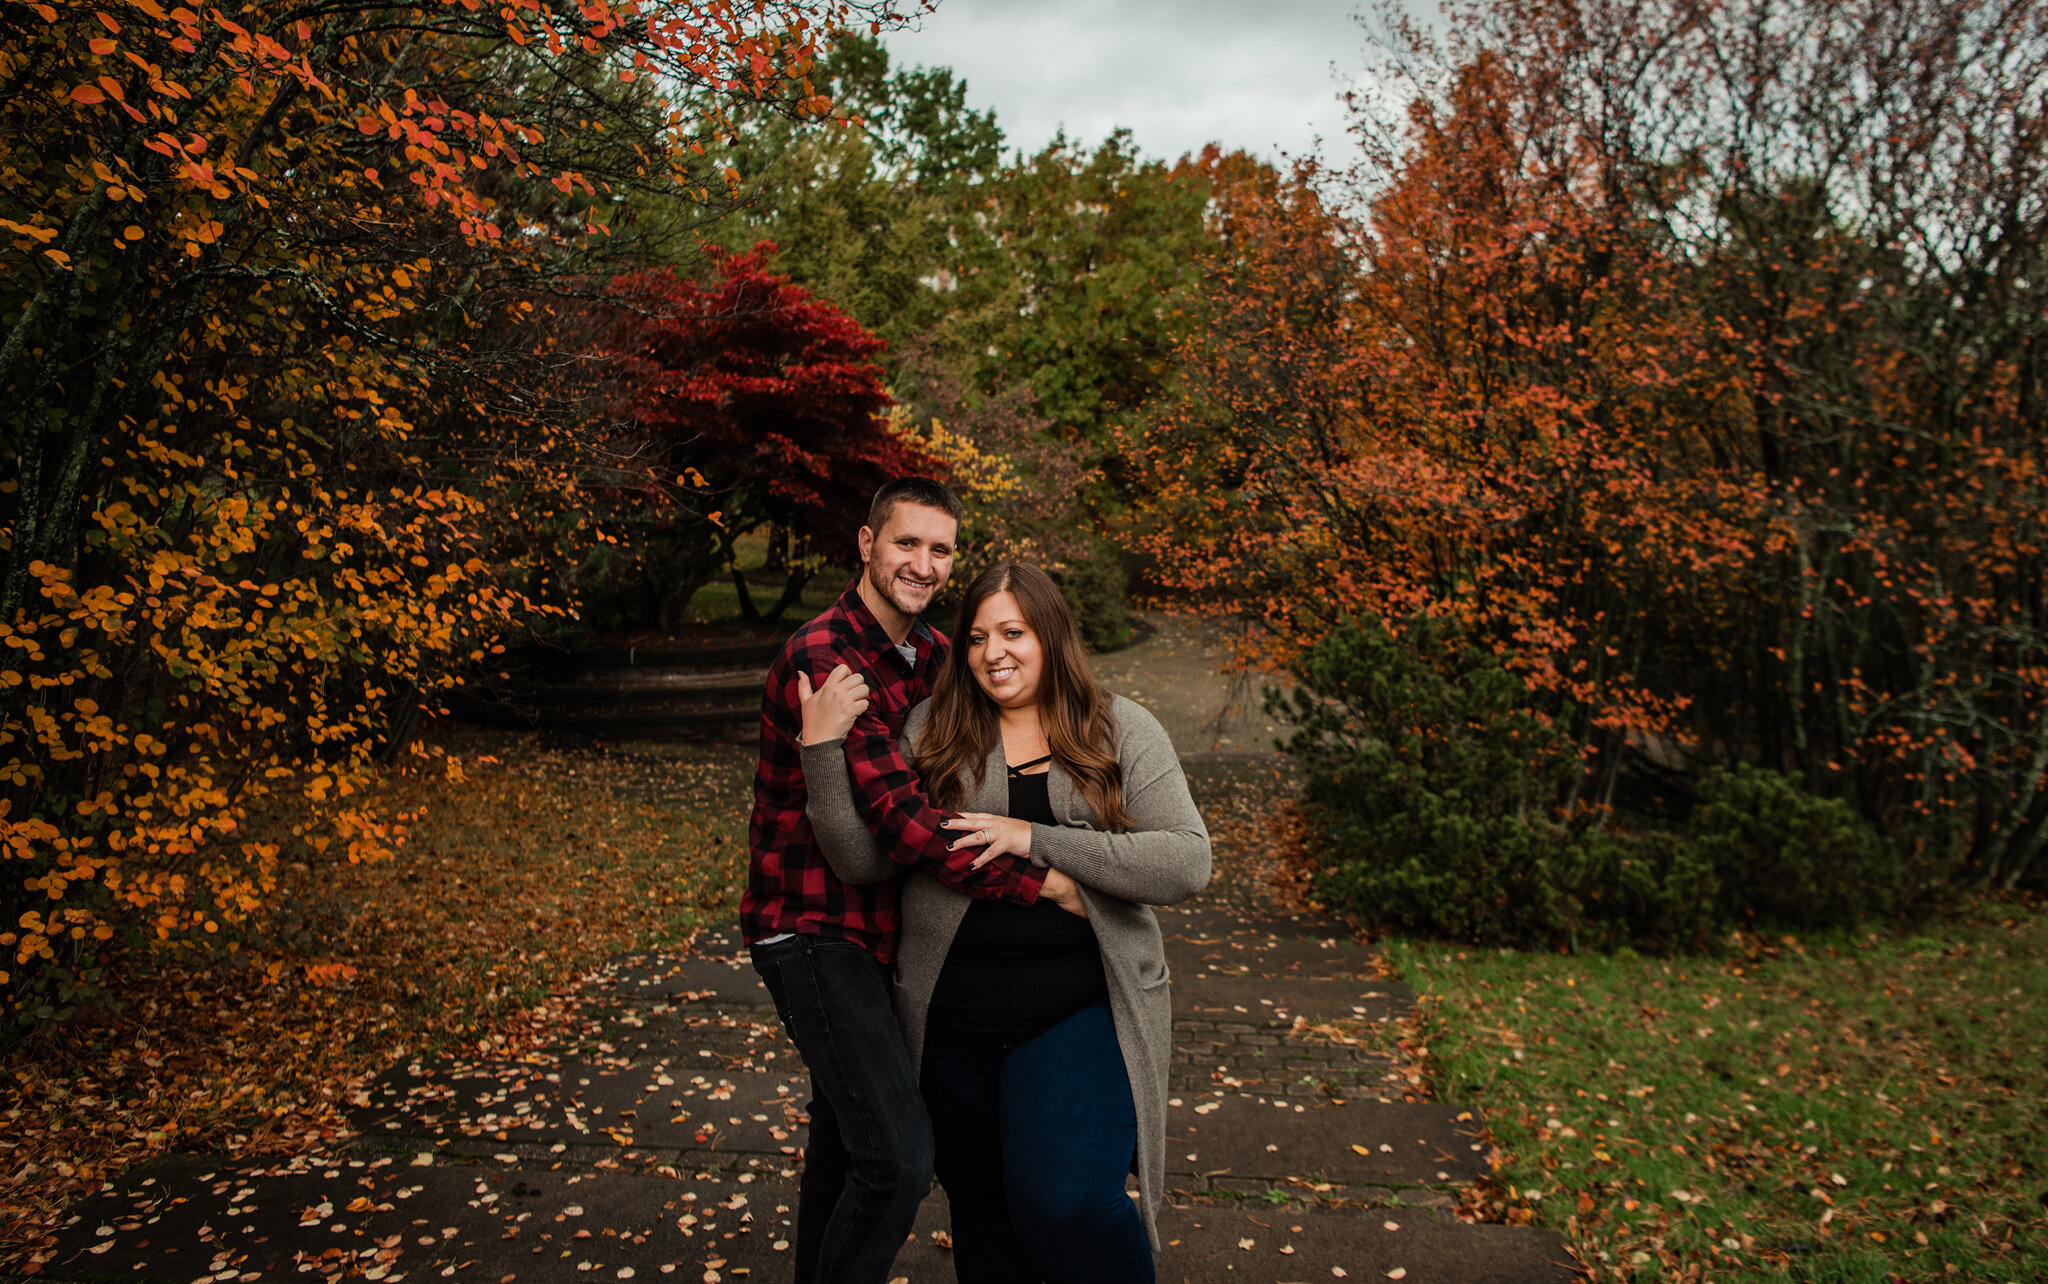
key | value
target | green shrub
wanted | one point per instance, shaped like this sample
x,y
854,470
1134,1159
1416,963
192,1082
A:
x,y
1786,857
1096,591
1442,788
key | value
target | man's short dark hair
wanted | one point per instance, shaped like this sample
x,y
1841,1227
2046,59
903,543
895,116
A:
x,y
911,490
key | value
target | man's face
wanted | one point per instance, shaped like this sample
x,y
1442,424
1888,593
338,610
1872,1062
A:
x,y
909,559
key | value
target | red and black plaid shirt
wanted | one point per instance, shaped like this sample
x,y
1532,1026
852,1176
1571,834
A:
x,y
790,887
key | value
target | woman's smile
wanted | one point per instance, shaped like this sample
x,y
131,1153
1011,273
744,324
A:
x,y
1005,652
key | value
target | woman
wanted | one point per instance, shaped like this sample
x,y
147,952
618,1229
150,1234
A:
x,y
1042,1037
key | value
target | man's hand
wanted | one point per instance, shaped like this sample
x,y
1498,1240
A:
x,y
830,710
1064,892
998,833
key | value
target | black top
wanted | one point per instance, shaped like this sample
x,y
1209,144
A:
x,y
1015,971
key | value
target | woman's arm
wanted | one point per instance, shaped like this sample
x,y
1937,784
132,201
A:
x,y
1165,857
842,836
828,712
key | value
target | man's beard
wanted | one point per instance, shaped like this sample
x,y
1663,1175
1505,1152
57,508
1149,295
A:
x,y
889,591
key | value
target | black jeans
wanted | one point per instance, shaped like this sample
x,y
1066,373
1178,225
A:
x,y
1034,1142
868,1160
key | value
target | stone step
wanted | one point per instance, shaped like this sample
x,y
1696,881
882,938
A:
x,y
1279,1000
1206,1060
651,720
187,1218
718,978
1355,1142
1274,956
738,653
678,1107
1208,922
727,981
653,680
1252,1243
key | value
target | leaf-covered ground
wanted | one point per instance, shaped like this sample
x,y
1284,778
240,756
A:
x,y
1851,1109
550,857
545,861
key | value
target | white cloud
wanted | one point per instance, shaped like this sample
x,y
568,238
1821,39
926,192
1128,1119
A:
x,y
1263,75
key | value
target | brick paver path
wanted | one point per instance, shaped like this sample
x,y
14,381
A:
x,y
661,1138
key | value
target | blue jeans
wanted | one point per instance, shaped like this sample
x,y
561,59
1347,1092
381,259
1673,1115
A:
x,y
868,1161
1034,1142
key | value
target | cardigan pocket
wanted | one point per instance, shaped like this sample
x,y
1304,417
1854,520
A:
x,y
1159,981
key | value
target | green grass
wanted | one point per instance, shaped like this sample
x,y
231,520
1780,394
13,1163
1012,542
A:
x,y
1856,1108
718,602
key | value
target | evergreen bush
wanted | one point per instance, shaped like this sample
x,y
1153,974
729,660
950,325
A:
x,y
1448,802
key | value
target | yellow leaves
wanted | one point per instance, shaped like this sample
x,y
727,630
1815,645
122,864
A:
x,y
33,232
985,475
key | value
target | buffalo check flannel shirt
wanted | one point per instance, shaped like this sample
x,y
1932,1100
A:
x,y
790,887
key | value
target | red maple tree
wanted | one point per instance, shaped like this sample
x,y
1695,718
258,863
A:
x,y
743,401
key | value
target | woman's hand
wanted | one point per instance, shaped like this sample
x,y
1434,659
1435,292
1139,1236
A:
x,y
830,711
1001,833
1063,892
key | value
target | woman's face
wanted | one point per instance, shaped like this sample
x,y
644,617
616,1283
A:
x,y
1004,654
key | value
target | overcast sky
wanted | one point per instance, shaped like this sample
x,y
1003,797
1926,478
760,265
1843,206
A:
x,y
1255,74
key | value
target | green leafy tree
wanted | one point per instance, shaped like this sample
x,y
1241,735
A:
x,y
1104,246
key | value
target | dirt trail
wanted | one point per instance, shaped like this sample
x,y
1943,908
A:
x,y
1183,673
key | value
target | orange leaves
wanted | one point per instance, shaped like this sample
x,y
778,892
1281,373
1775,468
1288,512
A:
x,y
329,974
1684,478
30,230
228,615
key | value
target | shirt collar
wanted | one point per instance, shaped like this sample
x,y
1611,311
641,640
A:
x,y
875,639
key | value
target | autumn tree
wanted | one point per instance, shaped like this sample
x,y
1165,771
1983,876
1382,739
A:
x,y
768,399
876,211
289,433
1046,289
1685,360
1102,242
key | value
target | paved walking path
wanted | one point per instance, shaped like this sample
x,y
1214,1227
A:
x,y
662,1137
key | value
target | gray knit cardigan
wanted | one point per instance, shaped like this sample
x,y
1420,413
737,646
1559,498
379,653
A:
x,y
1163,859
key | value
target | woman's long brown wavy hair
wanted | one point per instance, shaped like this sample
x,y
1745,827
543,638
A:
x,y
1072,709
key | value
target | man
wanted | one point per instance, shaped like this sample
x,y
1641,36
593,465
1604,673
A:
x,y
823,947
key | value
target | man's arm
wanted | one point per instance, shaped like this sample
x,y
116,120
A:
x,y
907,825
